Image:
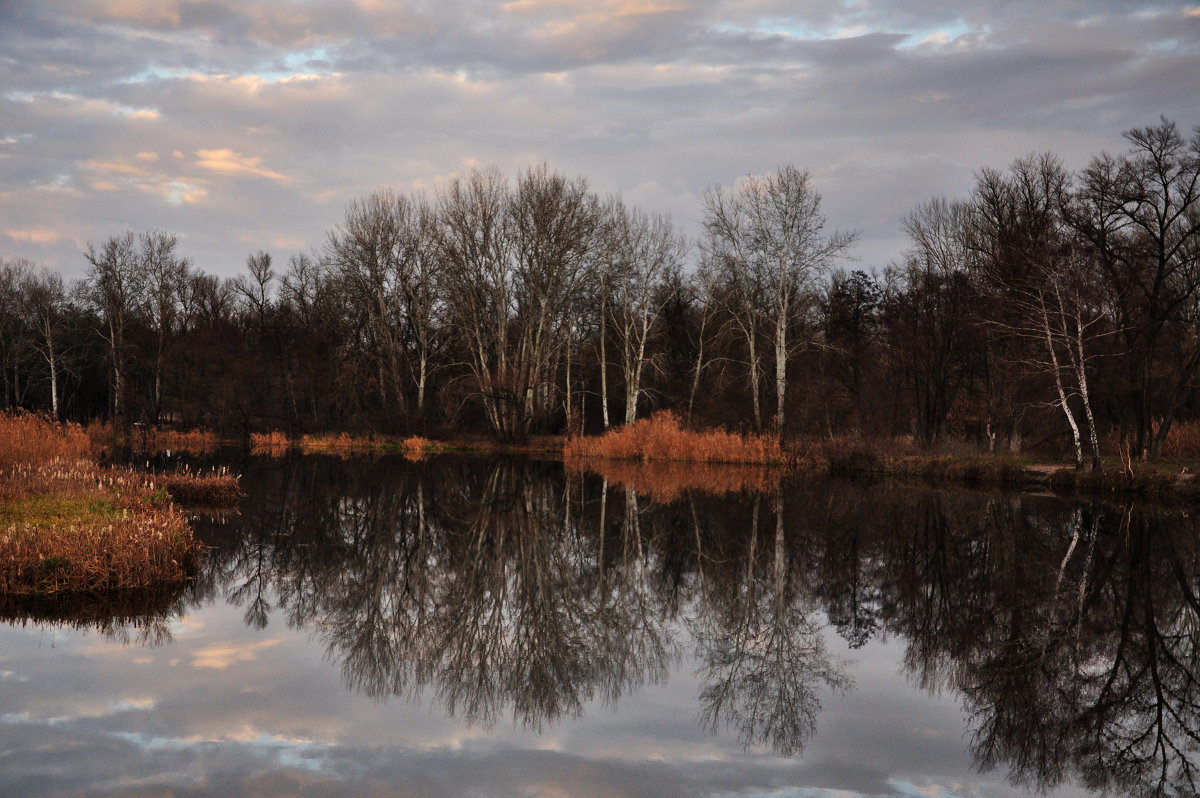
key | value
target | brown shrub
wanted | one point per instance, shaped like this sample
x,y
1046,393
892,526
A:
x,y
661,437
270,444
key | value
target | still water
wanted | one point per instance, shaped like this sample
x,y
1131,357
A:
x,y
473,627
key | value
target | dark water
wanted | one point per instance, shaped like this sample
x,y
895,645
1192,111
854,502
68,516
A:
x,y
469,627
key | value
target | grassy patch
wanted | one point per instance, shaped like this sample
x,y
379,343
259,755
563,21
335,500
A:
x,y
41,511
69,526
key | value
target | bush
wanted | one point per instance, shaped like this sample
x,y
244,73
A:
x,y
662,437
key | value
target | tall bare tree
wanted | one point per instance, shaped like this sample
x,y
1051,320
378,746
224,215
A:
x,y
45,304
165,274
115,287
516,260
637,253
770,235
1140,213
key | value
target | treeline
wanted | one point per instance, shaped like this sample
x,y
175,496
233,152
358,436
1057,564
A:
x,y
1047,308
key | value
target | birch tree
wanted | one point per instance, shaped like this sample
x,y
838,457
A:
x,y
638,252
770,235
115,286
45,305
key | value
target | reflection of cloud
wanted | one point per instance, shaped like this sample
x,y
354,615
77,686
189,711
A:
x,y
225,161
222,655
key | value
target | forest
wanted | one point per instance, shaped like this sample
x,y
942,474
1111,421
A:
x,y
1047,310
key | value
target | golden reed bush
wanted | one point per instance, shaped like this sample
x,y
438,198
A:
x,y
107,437
1183,441
31,440
341,444
270,444
416,448
662,437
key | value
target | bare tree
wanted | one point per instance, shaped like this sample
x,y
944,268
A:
x,y
770,235
516,262
1141,215
385,252
165,274
1042,283
45,305
115,287
638,252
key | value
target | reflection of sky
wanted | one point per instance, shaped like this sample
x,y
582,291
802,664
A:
x,y
228,710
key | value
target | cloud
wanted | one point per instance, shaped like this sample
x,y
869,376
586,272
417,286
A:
x,y
665,97
225,161
40,235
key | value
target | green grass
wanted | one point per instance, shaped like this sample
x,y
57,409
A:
x,y
59,511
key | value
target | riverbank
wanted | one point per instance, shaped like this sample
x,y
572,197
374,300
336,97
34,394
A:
x,y
663,442
69,525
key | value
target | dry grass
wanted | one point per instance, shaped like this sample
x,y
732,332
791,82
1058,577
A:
x,y
662,437
270,444
31,440
216,490
67,525
1183,441
666,482
108,437
341,444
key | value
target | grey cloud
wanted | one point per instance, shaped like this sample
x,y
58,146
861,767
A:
x,y
657,105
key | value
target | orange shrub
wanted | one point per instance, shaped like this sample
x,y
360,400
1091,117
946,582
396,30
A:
x,y
416,447
661,437
341,444
271,444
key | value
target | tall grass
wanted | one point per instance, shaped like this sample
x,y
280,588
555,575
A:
x,y
662,437
270,444
107,437
32,440
1183,441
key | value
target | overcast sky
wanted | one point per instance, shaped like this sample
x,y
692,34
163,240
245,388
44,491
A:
x,y
245,125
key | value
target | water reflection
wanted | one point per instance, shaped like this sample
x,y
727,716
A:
x,y
130,617
504,591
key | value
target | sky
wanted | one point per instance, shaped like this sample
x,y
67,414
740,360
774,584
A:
x,y
246,125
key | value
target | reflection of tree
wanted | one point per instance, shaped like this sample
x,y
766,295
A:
x,y
1116,682
129,617
498,588
764,661
1071,634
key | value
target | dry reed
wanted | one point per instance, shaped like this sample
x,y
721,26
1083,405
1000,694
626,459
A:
x,y
341,444
270,444
108,437
662,437
67,525
31,440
